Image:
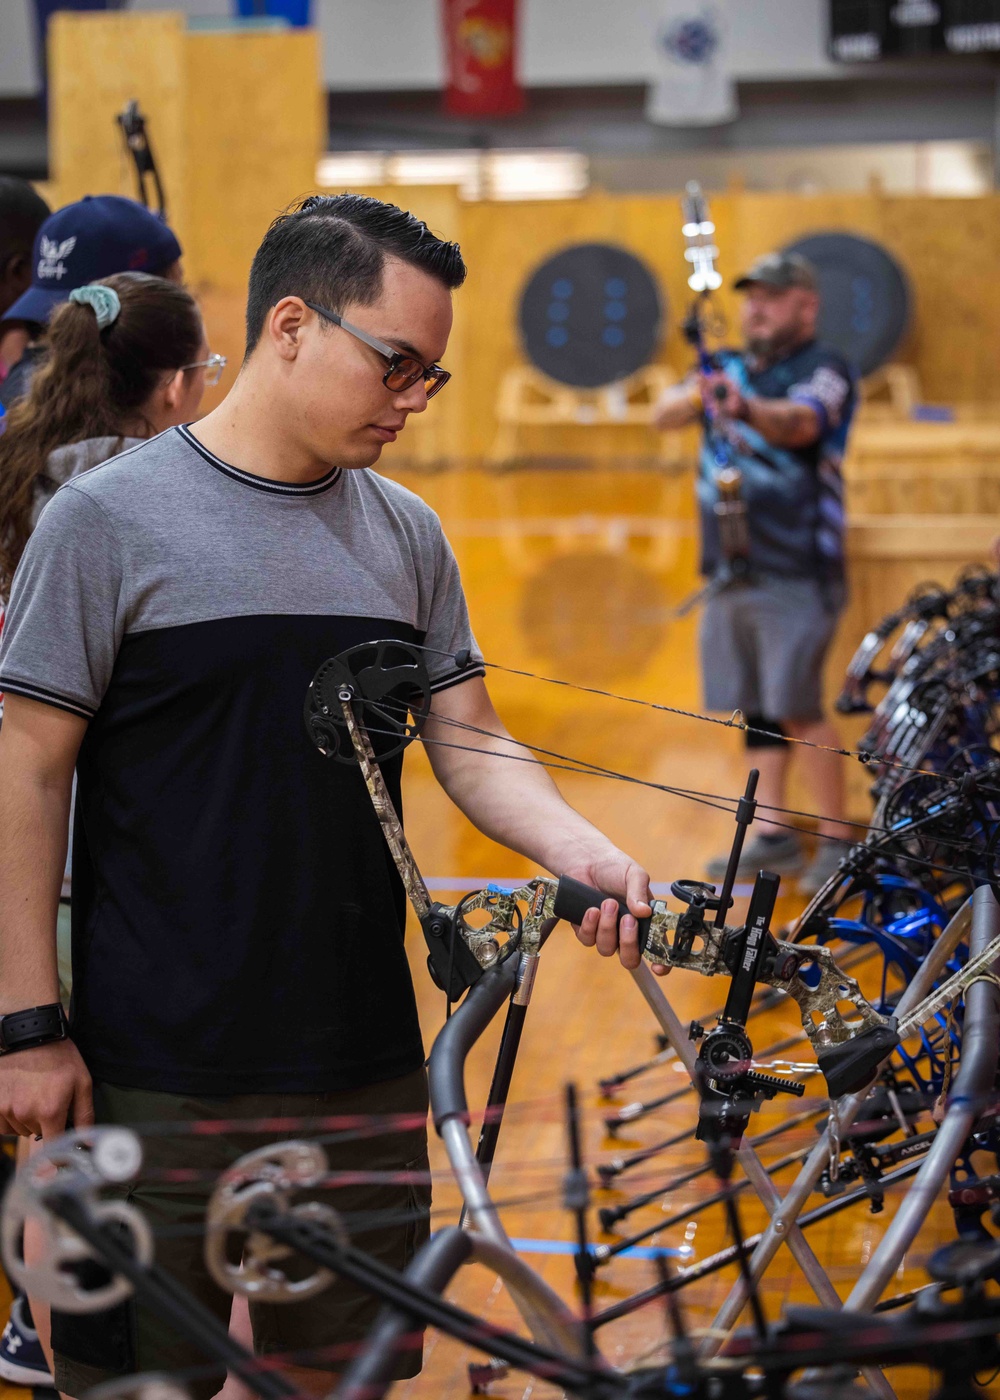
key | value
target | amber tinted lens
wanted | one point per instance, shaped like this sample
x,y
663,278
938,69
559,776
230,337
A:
x,y
403,375
435,380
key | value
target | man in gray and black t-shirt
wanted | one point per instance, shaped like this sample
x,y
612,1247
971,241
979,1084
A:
x,y
237,920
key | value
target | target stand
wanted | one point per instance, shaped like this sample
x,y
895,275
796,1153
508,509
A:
x,y
529,399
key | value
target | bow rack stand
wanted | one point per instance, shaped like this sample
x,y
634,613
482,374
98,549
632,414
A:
x,y
364,707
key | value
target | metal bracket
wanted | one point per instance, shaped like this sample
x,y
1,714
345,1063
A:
x,y
79,1164
273,1174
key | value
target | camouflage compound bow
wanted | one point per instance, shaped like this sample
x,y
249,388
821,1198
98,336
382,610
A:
x,y
381,690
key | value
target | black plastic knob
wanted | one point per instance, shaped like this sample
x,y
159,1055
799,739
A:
x,y
697,893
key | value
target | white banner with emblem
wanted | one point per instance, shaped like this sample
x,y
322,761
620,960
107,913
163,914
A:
x,y
690,79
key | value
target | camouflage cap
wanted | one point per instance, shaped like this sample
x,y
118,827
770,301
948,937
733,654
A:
x,y
780,270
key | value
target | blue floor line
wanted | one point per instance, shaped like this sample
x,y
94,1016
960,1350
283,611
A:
x,y
638,1251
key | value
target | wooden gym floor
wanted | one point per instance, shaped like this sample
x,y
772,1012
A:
x,y
571,574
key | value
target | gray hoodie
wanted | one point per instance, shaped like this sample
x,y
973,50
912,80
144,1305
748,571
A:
x,y
70,461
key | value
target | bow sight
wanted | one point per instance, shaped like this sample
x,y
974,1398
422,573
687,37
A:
x,y
729,1086
704,318
133,128
387,682
700,250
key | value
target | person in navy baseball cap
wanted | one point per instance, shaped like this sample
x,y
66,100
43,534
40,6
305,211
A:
x,y
99,235
93,238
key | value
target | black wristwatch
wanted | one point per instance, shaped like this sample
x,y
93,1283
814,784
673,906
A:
x,y
39,1025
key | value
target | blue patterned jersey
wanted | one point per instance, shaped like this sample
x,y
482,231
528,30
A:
x,y
794,496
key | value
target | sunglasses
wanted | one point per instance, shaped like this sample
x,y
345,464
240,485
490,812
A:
x,y
404,370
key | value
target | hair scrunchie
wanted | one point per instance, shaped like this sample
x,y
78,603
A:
x,y
104,302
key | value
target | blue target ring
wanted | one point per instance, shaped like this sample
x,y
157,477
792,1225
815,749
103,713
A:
x,y
591,315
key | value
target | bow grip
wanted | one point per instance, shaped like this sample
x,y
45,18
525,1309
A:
x,y
574,898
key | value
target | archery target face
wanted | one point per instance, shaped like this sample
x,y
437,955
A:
x,y
865,296
590,315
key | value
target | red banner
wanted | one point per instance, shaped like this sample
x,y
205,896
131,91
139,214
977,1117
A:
x,y
481,57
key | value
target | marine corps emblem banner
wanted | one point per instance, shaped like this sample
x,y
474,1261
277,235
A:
x,y
481,58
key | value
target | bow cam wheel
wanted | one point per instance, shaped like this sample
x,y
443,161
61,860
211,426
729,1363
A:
x,y
390,690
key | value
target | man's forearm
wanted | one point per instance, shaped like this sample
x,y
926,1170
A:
x,y
508,795
515,802
782,422
34,816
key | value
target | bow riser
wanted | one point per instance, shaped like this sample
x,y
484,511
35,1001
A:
x,y
531,907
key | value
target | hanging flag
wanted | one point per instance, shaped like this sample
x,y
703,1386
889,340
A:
x,y
691,84
481,58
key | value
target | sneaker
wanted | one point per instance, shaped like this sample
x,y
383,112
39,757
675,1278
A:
x,y
22,1361
782,854
823,865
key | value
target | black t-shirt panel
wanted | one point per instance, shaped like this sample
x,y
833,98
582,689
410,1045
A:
x,y
223,865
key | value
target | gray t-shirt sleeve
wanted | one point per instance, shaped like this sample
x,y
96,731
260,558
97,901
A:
x,y
66,615
448,629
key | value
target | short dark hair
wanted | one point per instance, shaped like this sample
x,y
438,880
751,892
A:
x,y
22,213
332,249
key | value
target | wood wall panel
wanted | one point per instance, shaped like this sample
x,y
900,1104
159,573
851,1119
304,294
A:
x,y
97,64
254,130
235,119
950,249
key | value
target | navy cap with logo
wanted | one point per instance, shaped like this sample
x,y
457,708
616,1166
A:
x,y
97,236
780,270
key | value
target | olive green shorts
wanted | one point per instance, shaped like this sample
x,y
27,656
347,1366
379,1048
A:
x,y
388,1220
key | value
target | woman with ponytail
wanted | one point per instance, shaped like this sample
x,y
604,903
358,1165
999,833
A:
x,y
127,359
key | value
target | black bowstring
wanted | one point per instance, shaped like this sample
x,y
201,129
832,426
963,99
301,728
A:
x,y
374,1125
360,1222
864,756
584,768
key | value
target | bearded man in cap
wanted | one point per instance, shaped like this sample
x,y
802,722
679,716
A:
x,y
781,408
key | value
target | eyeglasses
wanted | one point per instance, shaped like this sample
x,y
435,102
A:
x,y
403,371
213,368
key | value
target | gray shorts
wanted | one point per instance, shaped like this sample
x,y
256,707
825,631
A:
x,y
387,1218
763,645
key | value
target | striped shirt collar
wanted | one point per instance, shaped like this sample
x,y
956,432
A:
x,y
261,483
